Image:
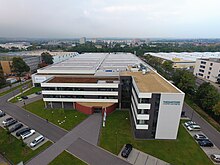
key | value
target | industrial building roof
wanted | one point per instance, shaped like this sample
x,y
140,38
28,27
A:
x,y
185,56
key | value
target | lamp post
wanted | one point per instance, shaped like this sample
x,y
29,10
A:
x,y
192,114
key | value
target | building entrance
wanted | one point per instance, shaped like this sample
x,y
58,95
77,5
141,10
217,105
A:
x,y
97,109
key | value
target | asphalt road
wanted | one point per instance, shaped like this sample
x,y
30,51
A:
x,y
49,130
206,128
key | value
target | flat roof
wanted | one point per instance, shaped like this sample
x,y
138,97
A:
x,y
185,56
93,63
151,82
82,80
217,60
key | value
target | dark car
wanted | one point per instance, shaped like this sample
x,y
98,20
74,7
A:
x,y
126,151
2,113
24,97
22,131
10,122
16,127
205,143
38,93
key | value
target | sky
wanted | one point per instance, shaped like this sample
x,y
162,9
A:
x,y
110,18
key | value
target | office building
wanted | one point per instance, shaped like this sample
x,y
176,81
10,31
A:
x,y
104,82
82,40
208,68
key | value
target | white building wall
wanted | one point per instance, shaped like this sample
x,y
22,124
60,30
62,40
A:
x,y
169,115
210,73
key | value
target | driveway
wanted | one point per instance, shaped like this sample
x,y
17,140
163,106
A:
x,y
94,155
210,131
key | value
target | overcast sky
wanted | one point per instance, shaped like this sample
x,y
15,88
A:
x,y
110,18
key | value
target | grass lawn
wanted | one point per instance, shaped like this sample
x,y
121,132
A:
x,y
202,113
13,149
29,92
67,159
10,90
182,151
56,116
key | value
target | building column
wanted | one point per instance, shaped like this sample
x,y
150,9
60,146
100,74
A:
x,y
62,105
45,103
51,105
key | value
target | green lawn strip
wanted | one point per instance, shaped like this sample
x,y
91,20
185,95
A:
x,y
67,159
14,88
56,116
13,149
184,150
29,92
202,113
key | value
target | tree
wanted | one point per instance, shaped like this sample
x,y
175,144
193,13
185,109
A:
x,y
185,80
207,96
19,66
2,78
47,58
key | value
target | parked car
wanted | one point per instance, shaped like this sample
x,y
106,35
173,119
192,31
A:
x,y
126,151
37,141
215,158
27,134
188,123
6,121
10,122
24,97
16,127
200,137
22,131
38,93
205,143
194,128
19,98
2,113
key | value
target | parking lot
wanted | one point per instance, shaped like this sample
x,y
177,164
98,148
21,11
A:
x,y
137,157
208,150
27,140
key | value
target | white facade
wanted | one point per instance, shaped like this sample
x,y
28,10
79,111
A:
x,y
208,69
169,115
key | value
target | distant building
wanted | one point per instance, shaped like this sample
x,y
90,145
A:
x,y
208,69
19,45
82,40
31,61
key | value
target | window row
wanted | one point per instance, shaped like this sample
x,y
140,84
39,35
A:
x,y
80,96
77,89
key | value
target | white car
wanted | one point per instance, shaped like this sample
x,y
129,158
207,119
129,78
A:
x,y
188,123
37,141
215,158
27,134
194,128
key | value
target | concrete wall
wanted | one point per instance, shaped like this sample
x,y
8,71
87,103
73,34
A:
x,y
169,115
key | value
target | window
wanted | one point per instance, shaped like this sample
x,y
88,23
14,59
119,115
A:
x,y
210,68
200,74
211,64
201,70
208,77
203,62
202,66
209,72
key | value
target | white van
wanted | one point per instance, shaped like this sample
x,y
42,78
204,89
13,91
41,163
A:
x,y
194,128
37,141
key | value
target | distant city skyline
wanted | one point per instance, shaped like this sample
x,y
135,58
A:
x,y
103,19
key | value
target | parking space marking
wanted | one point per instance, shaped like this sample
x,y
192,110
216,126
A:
x,y
137,157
